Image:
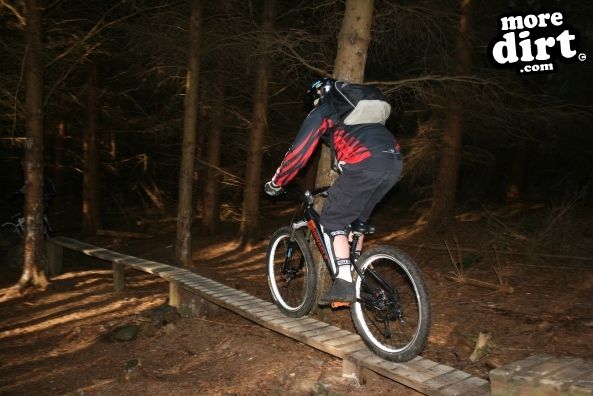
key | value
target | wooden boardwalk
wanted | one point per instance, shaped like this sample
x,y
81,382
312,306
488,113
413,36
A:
x,y
423,375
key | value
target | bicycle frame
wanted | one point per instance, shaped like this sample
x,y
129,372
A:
x,y
311,220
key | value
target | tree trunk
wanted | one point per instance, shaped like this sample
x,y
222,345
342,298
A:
x,y
58,168
353,43
251,193
91,214
188,147
33,153
211,196
442,211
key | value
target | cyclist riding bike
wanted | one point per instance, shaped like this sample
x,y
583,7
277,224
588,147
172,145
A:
x,y
369,163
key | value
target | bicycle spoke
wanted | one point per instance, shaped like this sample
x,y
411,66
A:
x,y
289,273
388,314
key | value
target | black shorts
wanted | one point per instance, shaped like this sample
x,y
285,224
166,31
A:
x,y
359,189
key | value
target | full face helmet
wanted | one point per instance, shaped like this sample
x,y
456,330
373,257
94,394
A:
x,y
317,91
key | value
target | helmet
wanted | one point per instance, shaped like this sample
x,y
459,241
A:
x,y
317,91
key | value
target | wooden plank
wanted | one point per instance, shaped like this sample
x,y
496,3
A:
x,y
108,255
320,331
303,321
215,292
353,347
447,379
472,386
362,355
237,299
209,282
244,295
421,370
309,326
140,263
232,300
505,373
284,319
215,288
197,285
172,273
333,342
583,385
223,291
177,278
389,370
563,379
254,311
285,323
328,336
531,375
265,316
250,302
254,304
153,269
372,360
346,339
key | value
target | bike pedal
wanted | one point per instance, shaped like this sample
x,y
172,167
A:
x,y
338,304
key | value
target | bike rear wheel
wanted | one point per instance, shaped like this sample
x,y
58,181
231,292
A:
x,y
392,313
291,272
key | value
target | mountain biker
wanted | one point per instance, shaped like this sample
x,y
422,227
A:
x,y
369,159
49,192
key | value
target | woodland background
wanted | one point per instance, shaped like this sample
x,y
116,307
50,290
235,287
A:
x,y
115,86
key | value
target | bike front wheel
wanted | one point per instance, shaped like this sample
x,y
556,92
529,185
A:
x,y
291,272
392,313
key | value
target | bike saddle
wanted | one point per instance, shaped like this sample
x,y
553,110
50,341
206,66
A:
x,y
362,227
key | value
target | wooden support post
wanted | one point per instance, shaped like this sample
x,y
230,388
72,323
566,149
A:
x,y
118,277
54,258
352,369
188,303
175,295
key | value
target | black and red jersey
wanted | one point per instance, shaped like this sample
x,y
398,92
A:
x,y
352,143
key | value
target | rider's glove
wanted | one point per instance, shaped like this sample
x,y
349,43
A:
x,y
272,189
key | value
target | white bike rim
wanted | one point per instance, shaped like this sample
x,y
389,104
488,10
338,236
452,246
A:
x,y
272,278
359,313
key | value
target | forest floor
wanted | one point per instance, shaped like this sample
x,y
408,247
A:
x,y
60,341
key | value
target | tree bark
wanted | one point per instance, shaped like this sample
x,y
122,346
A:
x,y
442,212
353,43
211,195
91,214
33,153
58,168
251,193
188,148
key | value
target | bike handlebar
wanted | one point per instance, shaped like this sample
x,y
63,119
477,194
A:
x,y
297,193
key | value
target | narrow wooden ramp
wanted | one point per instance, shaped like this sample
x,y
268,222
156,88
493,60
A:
x,y
421,374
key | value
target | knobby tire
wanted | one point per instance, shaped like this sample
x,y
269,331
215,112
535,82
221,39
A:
x,y
293,291
396,332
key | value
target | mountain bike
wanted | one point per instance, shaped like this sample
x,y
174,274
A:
x,y
392,312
